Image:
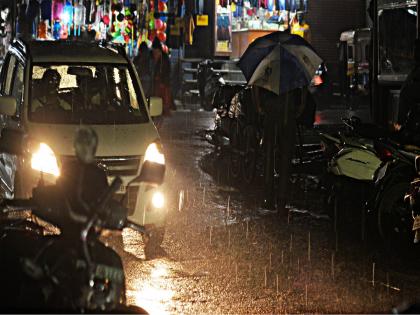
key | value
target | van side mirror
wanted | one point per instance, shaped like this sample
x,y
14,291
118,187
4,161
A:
x,y
155,106
8,105
418,164
13,141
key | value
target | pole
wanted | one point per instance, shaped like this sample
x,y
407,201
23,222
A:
x,y
13,10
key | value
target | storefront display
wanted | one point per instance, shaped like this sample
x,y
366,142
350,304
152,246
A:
x,y
127,22
223,28
239,22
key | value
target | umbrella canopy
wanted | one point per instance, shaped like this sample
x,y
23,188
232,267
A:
x,y
279,62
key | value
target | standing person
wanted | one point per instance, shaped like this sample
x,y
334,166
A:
x,y
161,85
280,113
142,64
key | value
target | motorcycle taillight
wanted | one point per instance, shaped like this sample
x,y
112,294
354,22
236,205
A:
x,y
383,153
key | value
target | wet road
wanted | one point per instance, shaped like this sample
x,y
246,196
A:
x,y
223,254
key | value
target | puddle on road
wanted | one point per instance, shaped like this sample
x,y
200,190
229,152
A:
x,y
153,293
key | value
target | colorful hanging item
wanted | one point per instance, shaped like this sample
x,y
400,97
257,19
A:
x,y
57,9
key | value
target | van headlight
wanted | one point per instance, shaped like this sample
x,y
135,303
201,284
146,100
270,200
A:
x,y
153,168
158,200
44,160
154,153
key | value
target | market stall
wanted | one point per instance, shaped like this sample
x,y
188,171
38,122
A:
x,y
127,22
239,22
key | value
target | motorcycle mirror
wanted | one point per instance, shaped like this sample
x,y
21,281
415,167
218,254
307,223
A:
x,y
13,141
417,162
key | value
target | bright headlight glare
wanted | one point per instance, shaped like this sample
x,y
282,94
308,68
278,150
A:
x,y
154,154
44,160
158,200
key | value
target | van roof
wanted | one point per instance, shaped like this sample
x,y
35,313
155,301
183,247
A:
x,y
73,51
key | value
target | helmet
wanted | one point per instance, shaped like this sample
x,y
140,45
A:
x,y
85,144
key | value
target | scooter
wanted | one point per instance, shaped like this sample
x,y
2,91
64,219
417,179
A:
x,y
72,270
352,163
413,199
391,214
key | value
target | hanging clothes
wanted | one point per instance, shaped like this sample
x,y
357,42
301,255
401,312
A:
x,y
303,30
189,27
200,6
46,10
57,9
90,11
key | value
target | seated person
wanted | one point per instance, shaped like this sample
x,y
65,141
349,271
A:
x,y
47,97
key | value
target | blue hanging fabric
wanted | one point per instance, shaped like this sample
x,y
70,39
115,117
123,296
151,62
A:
x,y
270,5
293,5
281,5
305,5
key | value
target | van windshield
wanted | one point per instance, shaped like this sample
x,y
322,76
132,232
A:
x,y
85,94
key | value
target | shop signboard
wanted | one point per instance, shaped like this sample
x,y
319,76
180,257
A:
x,y
202,20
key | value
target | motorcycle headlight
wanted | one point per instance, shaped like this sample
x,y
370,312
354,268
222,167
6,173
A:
x,y
154,153
44,160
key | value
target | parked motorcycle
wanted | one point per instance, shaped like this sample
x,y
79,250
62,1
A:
x,y
413,199
353,161
391,214
375,171
72,270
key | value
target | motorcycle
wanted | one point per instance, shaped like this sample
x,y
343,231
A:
x,y
352,159
70,270
382,170
413,199
387,208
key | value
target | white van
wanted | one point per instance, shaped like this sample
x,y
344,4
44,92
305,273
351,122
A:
x,y
51,88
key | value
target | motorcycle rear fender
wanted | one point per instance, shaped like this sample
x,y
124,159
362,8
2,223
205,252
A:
x,y
395,172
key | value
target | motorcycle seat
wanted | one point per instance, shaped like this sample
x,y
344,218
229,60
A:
x,y
411,148
371,131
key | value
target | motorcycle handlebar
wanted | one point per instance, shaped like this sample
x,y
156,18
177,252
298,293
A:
x,y
107,195
16,205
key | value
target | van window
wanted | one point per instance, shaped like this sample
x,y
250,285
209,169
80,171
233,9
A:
x,y
9,75
89,94
397,34
17,87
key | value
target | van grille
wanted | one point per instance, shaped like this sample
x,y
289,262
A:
x,y
120,166
130,198
114,166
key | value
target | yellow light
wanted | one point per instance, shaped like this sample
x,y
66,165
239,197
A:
x,y
154,154
44,160
158,200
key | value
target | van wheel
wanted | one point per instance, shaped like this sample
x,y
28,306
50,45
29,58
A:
x,y
153,239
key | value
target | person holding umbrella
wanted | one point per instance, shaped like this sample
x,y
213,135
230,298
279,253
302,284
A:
x,y
281,66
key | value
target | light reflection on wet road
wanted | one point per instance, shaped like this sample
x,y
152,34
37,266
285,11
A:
x,y
241,259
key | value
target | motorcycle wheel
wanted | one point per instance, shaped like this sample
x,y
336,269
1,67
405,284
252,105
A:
x,y
394,217
249,161
235,146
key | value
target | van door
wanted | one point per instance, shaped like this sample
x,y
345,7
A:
x,y
12,85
